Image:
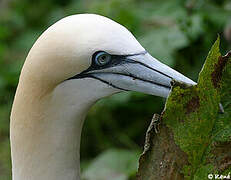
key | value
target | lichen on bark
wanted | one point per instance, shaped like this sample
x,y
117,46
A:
x,y
194,139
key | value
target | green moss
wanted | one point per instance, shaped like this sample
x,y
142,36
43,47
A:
x,y
192,113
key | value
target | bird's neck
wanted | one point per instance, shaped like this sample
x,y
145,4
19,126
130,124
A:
x,y
45,136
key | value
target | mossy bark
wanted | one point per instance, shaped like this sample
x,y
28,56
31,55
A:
x,y
194,139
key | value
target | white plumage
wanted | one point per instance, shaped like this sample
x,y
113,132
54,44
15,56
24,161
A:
x,y
61,79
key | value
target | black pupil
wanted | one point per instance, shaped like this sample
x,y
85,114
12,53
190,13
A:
x,y
103,58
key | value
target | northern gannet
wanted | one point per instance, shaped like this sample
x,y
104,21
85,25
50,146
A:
x,y
75,62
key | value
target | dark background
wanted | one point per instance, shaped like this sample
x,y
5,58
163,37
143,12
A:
x,y
178,33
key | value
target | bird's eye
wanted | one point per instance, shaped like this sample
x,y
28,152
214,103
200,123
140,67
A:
x,y
102,58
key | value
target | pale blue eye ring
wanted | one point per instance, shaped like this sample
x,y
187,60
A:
x,y
102,58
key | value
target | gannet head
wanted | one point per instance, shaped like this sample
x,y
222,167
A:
x,y
97,56
75,62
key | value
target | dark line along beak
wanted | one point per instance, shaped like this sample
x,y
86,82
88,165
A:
x,y
139,72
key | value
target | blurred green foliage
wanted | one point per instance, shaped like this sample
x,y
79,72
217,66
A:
x,y
179,33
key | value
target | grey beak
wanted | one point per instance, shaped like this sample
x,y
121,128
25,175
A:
x,y
158,72
138,72
142,73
